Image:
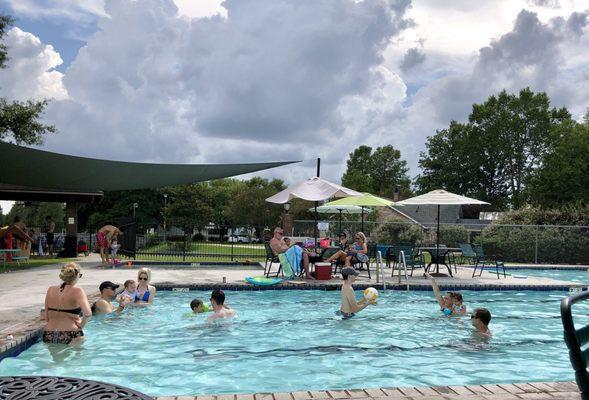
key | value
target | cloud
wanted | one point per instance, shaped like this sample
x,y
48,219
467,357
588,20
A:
x,y
30,70
84,11
412,58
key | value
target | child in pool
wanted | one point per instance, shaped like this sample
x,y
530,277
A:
x,y
221,312
128,295
451,303
198,307
349,305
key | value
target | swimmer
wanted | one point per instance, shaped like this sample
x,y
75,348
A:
x,y
349,305
481,317
220,312
128,295
447,303
198,307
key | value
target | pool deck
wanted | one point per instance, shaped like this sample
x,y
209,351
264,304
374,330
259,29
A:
x,y
512,391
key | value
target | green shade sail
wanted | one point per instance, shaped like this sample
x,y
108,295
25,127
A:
x,y
29,167
365,200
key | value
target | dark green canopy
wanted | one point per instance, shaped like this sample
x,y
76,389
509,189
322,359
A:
x,y
24,166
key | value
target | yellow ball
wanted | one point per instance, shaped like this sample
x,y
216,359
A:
x,y
370,294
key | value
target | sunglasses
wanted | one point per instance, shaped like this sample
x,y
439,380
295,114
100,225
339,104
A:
x,y
143,279
280,233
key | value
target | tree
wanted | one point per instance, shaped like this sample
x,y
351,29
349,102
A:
x,y
189,206
379,173
494,156
33,214
564,176
19,121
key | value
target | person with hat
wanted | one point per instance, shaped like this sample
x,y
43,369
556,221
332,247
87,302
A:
x,y
107,295
349,305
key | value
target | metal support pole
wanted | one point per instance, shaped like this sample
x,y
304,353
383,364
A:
x,y
536,244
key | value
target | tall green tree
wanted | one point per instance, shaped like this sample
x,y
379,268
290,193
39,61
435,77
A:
x,y
494,156
249,206
564,176
19,120
378,172
33,214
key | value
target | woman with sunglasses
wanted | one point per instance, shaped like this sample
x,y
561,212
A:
x,y
66,308
145,292
357,252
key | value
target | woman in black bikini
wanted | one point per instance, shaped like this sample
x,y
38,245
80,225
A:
x,y
66,308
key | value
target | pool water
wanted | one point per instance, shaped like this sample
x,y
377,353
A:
x,y
580,276
291,340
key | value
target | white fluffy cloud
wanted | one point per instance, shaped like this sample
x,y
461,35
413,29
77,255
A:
x,y
30,70
266,80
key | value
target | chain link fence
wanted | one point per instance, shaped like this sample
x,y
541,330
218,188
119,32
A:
x,y
539,244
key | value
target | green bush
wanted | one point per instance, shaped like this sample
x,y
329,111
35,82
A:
x,y
394,231
453,235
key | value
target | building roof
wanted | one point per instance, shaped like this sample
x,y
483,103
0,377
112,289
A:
x,y
54,172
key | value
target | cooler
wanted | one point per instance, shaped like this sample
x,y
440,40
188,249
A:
x,y
323,271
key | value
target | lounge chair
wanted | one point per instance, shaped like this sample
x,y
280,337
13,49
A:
x,y
270,259
412,258
485,260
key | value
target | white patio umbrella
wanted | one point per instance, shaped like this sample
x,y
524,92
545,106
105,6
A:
x,y
313,189
439,198
341,209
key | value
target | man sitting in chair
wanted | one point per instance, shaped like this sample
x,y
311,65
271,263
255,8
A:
x,y
278,247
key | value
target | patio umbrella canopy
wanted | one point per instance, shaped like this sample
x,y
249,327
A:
x,y
339,210
363,201
313,189
439,198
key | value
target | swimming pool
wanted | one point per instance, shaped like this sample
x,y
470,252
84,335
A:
x,y
291,340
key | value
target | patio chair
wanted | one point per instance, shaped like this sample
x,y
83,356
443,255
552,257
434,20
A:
x,y
371,256
576,339
271,258
486,260
413,259
467,253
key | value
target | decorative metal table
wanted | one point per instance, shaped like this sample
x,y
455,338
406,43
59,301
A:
x,y
55,387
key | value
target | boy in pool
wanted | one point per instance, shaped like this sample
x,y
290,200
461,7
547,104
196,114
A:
x,y
480,321
349,305
451,303
220,311
198,307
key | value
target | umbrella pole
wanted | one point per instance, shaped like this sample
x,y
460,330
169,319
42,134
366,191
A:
x,y
362,225
315,231
340,222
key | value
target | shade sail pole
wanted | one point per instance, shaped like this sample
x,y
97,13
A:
x,y
438,241
315,230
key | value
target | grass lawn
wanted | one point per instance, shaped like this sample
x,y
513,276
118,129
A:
x,y
33,263
205,252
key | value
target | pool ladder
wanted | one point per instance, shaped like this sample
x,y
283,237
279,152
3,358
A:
x,y
403,261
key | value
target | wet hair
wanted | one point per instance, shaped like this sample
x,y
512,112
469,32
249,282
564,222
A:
x,y
218,296
483,315
69,272
457,296
130,281
195,304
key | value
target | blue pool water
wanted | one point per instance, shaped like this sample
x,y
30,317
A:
x,y
580,276
291,340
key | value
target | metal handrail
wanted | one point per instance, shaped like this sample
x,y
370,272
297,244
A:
x,y
403,261
575,340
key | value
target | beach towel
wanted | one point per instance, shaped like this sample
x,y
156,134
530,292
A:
x,y
293,257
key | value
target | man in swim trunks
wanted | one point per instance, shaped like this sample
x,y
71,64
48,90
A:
x,y
104,237
350,306
220,311
49,229
107,295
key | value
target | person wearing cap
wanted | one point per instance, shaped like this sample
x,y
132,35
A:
x,y
349,305
107,295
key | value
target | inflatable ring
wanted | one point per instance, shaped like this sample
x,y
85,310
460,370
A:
x,y
262,280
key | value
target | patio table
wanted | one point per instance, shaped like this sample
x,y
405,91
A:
x,y
57,387
438,256
5,253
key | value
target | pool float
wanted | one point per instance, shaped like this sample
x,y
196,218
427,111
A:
x,y
262,280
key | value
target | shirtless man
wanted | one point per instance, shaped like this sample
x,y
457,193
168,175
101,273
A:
x,y
278,247
349,305
220,311
104,238
107,294
49,229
